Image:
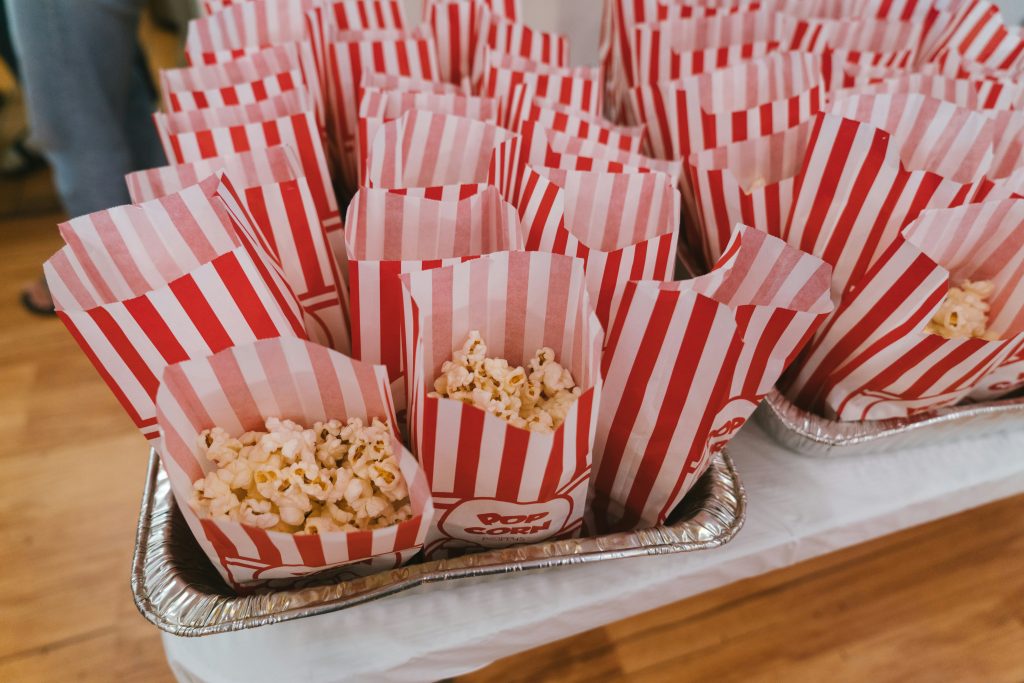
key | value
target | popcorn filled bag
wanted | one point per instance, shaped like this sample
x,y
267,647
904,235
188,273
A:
x,y
685,365
424,149
625,226
273,506
377,107
940,310
749,183
873,164
494,483
389,233
754,98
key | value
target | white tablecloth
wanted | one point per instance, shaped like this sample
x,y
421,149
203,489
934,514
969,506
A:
x,y
798,508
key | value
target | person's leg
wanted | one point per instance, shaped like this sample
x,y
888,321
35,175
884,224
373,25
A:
x,y
6,46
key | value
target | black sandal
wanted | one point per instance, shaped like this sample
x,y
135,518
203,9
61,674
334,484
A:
x,y
34,308
18,160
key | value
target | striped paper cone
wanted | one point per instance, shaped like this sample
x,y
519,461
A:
x,y
968,93
457,25
862,182
389,232
750,183
552,116
754,98
503,36
237,390
495,484
625,226
424,149
856,48
289,103
668,50
222,303
874,360
579,88
377,107
267,62
256,167
979,35
247,25
685,365
231,95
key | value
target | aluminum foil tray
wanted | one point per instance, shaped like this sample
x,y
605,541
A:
x,y
809,434
177,589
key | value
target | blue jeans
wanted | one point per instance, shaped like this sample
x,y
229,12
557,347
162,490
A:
x,y
88,98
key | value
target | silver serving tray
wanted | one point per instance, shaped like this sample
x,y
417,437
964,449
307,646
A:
x,y
178,590
808,434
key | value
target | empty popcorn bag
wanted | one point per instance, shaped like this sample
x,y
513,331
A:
x,y
503,355
503,36
579,87
248,92
685,365
749,183
252,67
873,164
457,25
425,149
391,232
938,312
246,27
284,460
525,107
751,99
625,226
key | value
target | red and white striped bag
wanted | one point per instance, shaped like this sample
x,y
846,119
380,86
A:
x,y
256,167
388,233
668,50
874,360
247,25
968,93
858,48
751,99
237,390
297,131
377,107
685,365
979,35
579,88
457,25
288,103
379,81
494,484
1007,377
231,95
405,54
552,116
749,183
424,149
266,62
625,226
132,332
507,37
864,180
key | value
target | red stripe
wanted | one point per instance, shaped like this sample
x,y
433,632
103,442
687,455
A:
x,y
390,313
265,548
252,308
152,323
471,427
199,312
513,461
311,548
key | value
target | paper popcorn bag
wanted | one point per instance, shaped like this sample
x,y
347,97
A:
x,y
754,98
858,46
237,389
389,233
503,36
495,484
977,33
247,25
875,360
377,107
252,67
579,87
525,107
234,94
423,149
130,337
862,182
968,93
1006,378
457,26
750,183
289,103
255,167
685,365
625,226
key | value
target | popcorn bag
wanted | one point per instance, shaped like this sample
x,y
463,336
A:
x,y
503,36
252,67
246,27
389,233
749,183
237,390
875,359
685,365
525,107
495,484
625,226
425,149
579,88
873,164
247,92
457,26
967,93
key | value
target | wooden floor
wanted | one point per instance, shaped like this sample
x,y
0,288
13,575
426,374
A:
x,y
942,602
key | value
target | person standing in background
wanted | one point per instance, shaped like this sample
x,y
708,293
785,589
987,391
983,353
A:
x,y
89,101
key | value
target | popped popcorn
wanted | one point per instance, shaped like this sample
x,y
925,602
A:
x,y
334,476
536,398
964,312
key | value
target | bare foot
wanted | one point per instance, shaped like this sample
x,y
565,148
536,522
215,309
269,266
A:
x,y
36,298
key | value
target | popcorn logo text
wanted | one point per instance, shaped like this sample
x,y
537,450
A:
x,y
494,524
